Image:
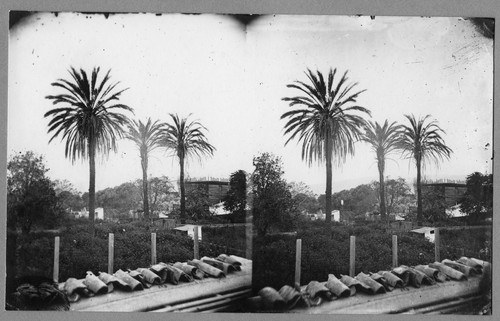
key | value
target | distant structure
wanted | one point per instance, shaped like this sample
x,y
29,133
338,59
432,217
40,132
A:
x,y
322,216
188,230
216,188
427,232
99,213
218,209
451,192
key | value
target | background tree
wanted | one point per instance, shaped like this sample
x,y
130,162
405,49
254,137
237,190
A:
x,y
304,198
235,200
88,120
121,199
69,198
383,140
325,121
433,205
147,138
477,200
398,195
358,201
197,203
273,207
421,141
31,197
185,139
162,195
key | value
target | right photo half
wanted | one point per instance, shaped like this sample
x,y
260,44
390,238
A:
x,y
373,189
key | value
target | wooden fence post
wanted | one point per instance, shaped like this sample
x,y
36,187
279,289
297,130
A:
x,y
395,251
196,243
111,252
298,259
248,236
352,256
437,245
56,259
153,248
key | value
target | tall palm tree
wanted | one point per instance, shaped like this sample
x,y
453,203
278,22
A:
x,y
185,139
326,122
422,142
88,120
383,140
147,137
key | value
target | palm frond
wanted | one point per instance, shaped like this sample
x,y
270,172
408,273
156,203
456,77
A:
x,y
422,141
324,111
83,115
186,138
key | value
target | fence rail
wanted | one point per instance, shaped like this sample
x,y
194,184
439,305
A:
x,y
346,262
111,253
438,250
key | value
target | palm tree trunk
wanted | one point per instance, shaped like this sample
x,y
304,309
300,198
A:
x,y
91,145
328,192
144,163
183,192
419,194
383,211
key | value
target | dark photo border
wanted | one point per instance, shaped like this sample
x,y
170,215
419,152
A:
x,y
463,8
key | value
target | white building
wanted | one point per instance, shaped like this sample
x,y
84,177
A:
x,y
454,211
322,216
189,230
99,213
428,232
218,209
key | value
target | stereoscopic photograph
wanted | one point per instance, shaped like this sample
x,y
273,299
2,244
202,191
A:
x,y
277,163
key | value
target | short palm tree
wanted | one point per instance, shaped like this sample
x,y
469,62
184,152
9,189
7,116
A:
x,y
325,121
185,139
422,142
383,140
147,137
87,119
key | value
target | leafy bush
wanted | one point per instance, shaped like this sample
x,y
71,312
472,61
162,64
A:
x,y
230,239
34,253
274,256
413,249
475,242
273,261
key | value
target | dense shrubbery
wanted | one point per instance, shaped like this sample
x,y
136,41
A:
x,y
273,261
274,256
231,237
132,249
474,242
35,253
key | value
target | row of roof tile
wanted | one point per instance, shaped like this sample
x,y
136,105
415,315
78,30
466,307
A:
x,y
315,292
158,274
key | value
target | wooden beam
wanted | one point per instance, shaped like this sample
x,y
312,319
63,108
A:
x,y
153,248
111,252
56,259
352,256
201,302
298,259
395,251
437,245
248,237
196,243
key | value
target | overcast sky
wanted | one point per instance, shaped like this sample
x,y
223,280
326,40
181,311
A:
x,y
232,79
